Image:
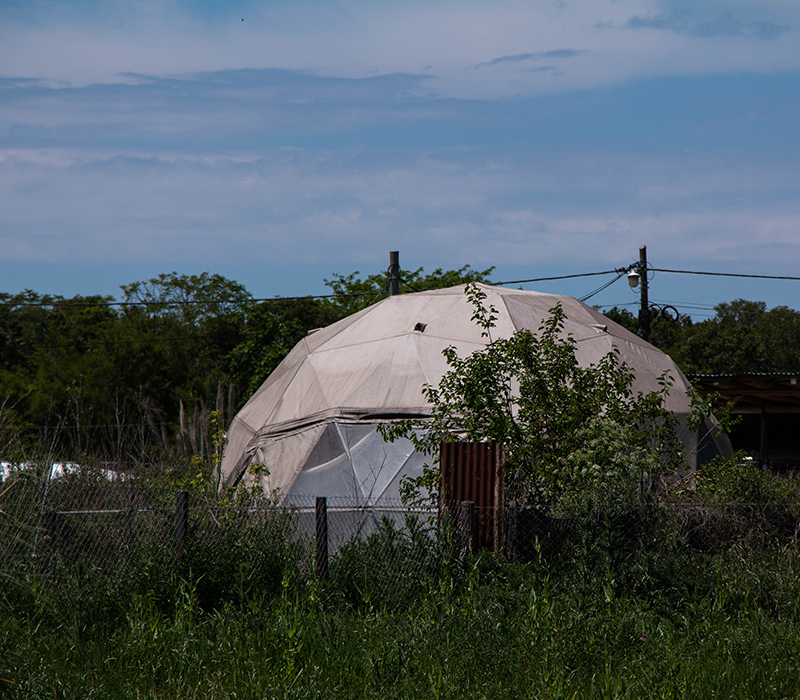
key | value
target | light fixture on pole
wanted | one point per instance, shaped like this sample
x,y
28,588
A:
x,y
637,278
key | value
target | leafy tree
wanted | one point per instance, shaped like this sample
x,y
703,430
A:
x,y
743,337
358,293
272,329
87,378
573,434
190,298
137,383
666,332
51,364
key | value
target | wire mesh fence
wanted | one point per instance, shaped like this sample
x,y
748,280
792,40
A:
x,y
119,532
130,532
702,528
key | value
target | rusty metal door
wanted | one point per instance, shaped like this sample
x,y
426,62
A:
x,y
475,471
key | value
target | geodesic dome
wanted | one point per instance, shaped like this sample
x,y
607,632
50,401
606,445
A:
x,y
313,423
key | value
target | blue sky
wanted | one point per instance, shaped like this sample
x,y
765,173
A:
x,y
277,143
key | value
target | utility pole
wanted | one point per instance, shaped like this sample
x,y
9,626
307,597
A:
x,y
644,311
394,273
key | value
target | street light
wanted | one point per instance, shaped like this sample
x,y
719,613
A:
x,y
637,273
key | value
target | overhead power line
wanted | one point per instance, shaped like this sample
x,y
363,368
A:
x,y
80,344
251,300
255,300
182,302
600,289
559,277
727,274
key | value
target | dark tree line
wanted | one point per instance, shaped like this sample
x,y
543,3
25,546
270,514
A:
x,y
742,337
136,383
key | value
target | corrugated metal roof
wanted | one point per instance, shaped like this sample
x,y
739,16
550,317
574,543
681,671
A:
x,y
776,375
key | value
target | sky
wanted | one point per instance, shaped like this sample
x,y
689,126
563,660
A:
x,y
278,143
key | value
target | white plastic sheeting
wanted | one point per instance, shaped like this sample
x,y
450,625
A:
x,y
52,470
313,423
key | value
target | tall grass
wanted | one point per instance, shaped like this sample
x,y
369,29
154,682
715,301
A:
x,y
402,616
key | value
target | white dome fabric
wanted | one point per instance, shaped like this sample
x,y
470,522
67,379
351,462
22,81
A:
x,y
313,423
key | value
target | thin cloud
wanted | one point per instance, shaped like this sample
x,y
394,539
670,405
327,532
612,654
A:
x,y
767,30
724,25
91,43
153,111
503,204
520,57
288,144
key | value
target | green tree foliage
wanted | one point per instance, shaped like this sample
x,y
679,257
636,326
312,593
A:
x,y
666,331
191,299
572,433
51,363
84,377
739,479
743,337
137,382
357,293
273,329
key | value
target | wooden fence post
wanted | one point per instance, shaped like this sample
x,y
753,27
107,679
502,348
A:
x,y
322,538
466,527
181,522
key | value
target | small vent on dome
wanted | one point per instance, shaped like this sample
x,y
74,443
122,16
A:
x,y
599,327
421,327
313,330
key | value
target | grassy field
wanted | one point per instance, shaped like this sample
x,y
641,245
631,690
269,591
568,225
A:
x,y
401,617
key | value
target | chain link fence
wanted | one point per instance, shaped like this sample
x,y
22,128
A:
x,y
136,536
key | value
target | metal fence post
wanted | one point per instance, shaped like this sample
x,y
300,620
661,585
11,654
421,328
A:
x,y
467,527
181,522
512,532
50,517
322,538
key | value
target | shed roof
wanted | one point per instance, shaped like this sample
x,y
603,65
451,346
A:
x,y
778,392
